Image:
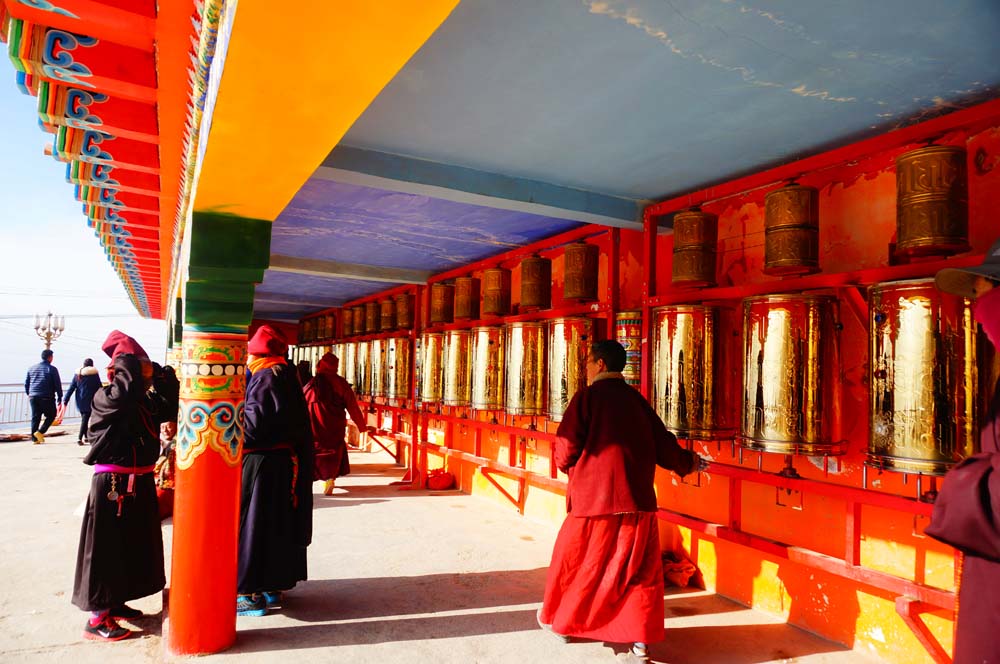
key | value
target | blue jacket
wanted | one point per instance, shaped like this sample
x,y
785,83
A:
x,y
43,381
85,384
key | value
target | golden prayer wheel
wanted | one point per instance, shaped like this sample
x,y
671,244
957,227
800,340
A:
x,y
371,317
387,315
496,292
379,368
696,235
628,332
346,322
348,362
686,393
305,329
359,319
487,368
328,329
932,209
525,357
456,368
569,345
789,364
536,283
404,311
580,271
363,369
432,367
442,303
791,231
466,298
924,387
398,368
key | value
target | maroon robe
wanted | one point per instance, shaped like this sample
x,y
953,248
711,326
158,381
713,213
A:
x,y
330,397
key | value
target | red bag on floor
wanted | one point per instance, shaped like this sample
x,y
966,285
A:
x,y
677,570
440,480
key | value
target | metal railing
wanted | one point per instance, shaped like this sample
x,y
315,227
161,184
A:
x,y
16,409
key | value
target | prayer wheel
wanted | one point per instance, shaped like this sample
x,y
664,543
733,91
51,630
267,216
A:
x,y
456,368
466,298
932,209
496,292
789,364
925,387
398,368
580,271
569,345
404,311
488,368
330,327
695,238
525,358
536,283
387,315
442,303
379,368
306,330
363,369
371,317
346,322
686,392
359,319
791,231
628,332
432,367
348,362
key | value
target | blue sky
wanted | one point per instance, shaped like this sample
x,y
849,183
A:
x,y
49,257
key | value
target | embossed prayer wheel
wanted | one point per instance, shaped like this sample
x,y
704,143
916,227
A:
x,y
379,367
791,231
536,283
331,326
569,345
628,332
686,392
398,368
371,317
932,208
925,386
442,303
359,319
348,361
488,368
432,367
387,315
789,363
456,367
346,322
496,292
696,235
525,379
466,298
363,369
306,329
580,271
404,311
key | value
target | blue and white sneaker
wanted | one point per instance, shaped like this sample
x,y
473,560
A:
x,y
272,600
250,605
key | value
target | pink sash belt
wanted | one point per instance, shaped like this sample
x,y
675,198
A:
x,y
122,470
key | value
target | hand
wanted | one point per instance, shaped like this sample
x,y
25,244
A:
x,y
703,463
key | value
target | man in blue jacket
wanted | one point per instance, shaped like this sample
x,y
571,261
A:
x,y
85,384
44,389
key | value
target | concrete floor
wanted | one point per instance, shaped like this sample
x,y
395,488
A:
x,y
395,576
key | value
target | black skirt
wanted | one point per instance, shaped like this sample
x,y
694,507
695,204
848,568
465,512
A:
x,y
272,553
120,558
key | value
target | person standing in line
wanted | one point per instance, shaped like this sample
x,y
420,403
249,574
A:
x,y
605,581
330,398
276,493
44,389
85,384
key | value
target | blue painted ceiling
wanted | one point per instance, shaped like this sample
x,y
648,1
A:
x,y
635,99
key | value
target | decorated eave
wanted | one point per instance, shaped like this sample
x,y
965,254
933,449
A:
x,y
115,80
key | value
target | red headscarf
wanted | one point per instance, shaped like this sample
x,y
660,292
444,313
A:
x,y
267,341
328,364
119,343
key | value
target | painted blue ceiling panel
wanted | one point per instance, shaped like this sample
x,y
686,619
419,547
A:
x,y
327,292
644,98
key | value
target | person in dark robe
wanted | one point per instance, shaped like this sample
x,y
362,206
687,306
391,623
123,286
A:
x,y
120,557
967,510
276,499
304,369
330,398
605,581
86,382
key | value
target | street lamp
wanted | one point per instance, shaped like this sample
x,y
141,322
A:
x,y
49,327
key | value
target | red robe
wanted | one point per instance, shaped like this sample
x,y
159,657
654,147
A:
x,y
330,397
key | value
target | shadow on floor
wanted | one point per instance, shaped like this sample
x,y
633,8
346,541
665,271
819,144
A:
x,y
738,644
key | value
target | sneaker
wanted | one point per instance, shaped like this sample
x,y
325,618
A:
x,y
548,628
38,438
106,630
250,605
125,612
272,600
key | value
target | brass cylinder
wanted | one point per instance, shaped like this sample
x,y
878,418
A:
x,y
359,319
371,317
525,358
456,368
379,367
432,367
404,311
496,292
686,393
932,209
488,368
442,303
387,315
348,361
789,363
580,271
305,330
696,235
628,332
536,283
346,322
925,385
331,326
466,298
398,368
791,231
363,369
569,345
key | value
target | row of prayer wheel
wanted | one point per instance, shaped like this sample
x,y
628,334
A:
x,y
931,220
317,328
929,375
395,313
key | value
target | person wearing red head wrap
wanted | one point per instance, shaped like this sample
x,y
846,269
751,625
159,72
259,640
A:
x,y
967,511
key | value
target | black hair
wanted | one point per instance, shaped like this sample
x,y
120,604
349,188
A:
x,y
88,362
46,354
612,352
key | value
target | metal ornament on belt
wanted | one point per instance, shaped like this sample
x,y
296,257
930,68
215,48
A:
x,y
488,368
363,369
379,367
536,283
791,231
496,292
526,368
569,345
442,303
398,368
932,209
456,368
387,315
580,271
466,298
789,362
923,378
628,332
432,367
695,237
